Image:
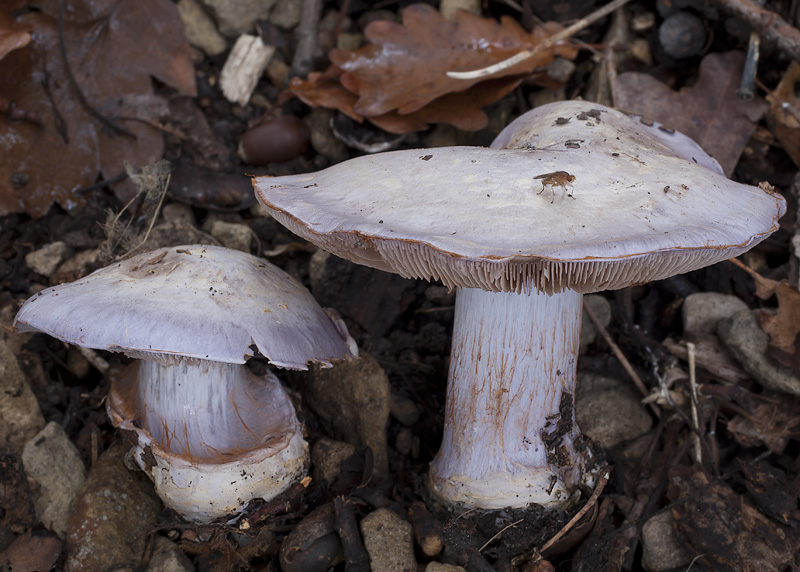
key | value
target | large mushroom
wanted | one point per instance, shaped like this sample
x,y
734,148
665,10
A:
x,y
210,434
572,197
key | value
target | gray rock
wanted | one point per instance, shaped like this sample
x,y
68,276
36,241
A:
x,y
602,309
286,14
236,17
389,541
323,140
54,463
662,548
113,515
45,260
238,236
354,397
742,334
20,416
327,457
609,410
167,557
702,311
200,29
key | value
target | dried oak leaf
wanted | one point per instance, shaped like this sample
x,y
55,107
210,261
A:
x,y
404,67
784,325
726,528
13,35
113,48
784,112
709,112
771,424
28,553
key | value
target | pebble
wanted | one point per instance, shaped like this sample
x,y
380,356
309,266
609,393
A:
x,y
662,549
45,260
743,336
238,236
439,567
702,311
328,456
55,464
236,17
200,29
354,396
609,410
449,8
389,542
323,140
286,14
682,35
20,416
113,515
167,557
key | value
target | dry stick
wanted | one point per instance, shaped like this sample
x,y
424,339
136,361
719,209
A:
x,y
302,62
698,449
770,25
542,46
601,484
499,532
621,357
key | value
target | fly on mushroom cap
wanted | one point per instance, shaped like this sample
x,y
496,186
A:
x,y
211,435
626,203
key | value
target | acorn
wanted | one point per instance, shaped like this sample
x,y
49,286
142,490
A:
x,y
274,140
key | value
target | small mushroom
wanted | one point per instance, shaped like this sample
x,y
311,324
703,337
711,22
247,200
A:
x,y
210,434
571,198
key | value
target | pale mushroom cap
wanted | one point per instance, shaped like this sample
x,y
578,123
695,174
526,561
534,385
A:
x,y
645,204
204,302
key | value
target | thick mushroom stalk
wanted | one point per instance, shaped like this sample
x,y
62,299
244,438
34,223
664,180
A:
x,y
509,429
209,433
571,198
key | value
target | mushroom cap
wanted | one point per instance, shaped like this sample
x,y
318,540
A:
x,y
580,196
204,302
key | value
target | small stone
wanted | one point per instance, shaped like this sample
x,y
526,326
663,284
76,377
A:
x,y
662,548
236,17
113,516
389,541
440,295
76,266
232,235
328,456
404,409
439,567
702,311
20,416
200,29
54,463
449,8
743,336
323,140
354,396
45,260
602,309
286,14
178,212
682,35
167,557
609,410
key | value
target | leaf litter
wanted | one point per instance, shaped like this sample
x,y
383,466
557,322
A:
x,y
97,110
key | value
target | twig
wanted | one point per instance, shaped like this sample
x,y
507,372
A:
x,y
102,184
601,484
499,532
303,60
770,25
108,123
542,46
355,555
698,449
621,357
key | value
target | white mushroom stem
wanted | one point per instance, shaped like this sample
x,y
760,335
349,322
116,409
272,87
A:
x,y
509,430
211,435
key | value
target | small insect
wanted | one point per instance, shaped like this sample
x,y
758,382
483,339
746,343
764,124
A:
x,y
558,179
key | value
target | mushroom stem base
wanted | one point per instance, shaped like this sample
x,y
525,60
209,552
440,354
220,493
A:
x,y
510,437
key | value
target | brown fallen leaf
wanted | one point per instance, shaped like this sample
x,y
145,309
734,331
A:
x,y
784,325
784,112
769,424
113,48
31,553
404,66
13,35
709,112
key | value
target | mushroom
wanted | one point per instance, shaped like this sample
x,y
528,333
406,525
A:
x,y
210,434
571,198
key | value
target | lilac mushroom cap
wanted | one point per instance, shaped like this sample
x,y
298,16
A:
x,y
211,435
572,197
